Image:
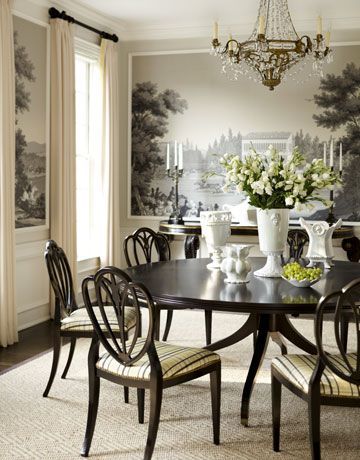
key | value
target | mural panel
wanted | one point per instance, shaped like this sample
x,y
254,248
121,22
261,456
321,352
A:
x,y
185,99
31,72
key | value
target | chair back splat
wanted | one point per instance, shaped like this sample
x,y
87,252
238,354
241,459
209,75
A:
x,y
115,291
346,366
145,246
61,280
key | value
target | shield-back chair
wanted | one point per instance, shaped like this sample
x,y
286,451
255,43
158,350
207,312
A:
x,y
140,362
326,378
70,320
144,245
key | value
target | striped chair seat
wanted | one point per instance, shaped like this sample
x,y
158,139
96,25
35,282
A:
x,y
79,320
297,369
175,361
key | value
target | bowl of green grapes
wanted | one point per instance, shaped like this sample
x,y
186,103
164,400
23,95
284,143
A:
x,y
300,276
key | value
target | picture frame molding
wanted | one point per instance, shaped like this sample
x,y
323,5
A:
x,y
131,55
45,226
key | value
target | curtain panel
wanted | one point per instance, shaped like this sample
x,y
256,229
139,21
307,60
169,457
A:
x,y
8,313
62,144
109,239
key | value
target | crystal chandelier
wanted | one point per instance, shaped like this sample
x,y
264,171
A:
x,y
274,50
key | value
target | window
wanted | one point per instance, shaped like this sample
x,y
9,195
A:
x,y
88,145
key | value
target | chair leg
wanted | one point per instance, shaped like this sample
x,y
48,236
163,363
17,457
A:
x,y
276,411
155,408
215,385
344,332
208,326
254,339
56,356
94,390
169,318
314,426
70,357
141,404
126,395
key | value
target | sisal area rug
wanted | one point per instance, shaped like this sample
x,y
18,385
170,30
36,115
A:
x,y
33,427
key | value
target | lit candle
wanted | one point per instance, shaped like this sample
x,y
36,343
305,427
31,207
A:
x,y
325,153
340,158
331,163
175,154
319,25
180,156
168,156
261,28
327,39
215,31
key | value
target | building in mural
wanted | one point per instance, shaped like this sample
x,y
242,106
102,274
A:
x,y
260,141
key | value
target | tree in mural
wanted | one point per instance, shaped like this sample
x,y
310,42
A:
x,y
150,113
340,101
24,71
310,147
24,192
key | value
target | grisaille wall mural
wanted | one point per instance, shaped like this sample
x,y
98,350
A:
x,y
185,98
30,42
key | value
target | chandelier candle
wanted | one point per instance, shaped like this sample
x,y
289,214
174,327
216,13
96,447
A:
x,y
175,174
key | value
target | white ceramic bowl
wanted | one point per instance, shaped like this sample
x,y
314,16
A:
x,y
302,283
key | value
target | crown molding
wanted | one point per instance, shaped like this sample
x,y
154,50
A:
x,y
174,31
145,31
92,16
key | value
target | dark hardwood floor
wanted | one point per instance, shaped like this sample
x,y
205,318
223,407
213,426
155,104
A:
x,y
32,341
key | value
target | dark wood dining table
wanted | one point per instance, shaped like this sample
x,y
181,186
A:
x,y
187,283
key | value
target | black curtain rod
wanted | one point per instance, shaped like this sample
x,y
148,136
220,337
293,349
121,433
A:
x,y
54,14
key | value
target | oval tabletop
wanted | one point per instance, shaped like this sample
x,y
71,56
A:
x,y
189,284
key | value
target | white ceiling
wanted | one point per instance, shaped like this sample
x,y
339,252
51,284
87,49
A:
x,y
194,18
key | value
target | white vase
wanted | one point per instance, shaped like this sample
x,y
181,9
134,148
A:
x,y
235,264
216,229
273,225
320,242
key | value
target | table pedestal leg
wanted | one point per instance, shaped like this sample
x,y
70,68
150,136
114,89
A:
x,y
245,330
286,329
276,326
280,342
258,356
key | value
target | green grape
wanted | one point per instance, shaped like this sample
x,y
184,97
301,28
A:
x,y
295,271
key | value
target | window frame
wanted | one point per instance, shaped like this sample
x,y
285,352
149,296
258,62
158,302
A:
x,y
91,53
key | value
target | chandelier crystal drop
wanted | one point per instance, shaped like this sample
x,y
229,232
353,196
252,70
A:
x,y
274,50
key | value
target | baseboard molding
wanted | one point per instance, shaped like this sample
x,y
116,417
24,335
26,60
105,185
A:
x,y
28,319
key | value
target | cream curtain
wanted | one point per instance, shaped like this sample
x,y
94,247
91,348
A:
x,y
62,146
8,314
109,232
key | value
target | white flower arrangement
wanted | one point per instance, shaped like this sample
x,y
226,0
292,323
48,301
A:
x,y
272,180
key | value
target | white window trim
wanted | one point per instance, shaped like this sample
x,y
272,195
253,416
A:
x,y
91,53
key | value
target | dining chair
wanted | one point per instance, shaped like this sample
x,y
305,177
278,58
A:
x,y
70,321
326,378
144,245
140,362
